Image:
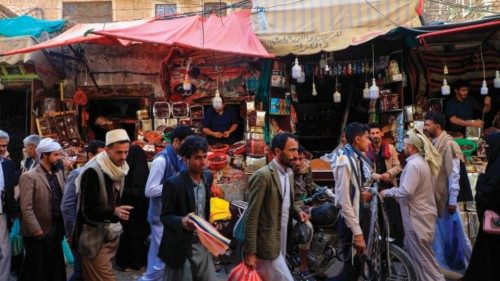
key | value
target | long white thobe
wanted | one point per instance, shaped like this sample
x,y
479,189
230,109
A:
x,y
419,213
277,269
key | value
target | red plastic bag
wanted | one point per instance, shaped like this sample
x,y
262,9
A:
x,y
243,273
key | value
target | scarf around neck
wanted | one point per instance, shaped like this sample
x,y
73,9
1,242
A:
x,y
109,168
384,147
174,159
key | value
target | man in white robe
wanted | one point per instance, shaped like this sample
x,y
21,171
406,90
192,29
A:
x,y
418,206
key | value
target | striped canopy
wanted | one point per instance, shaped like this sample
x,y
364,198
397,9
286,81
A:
x,y
310,26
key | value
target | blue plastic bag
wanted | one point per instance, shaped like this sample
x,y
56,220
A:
x,y
451,246
16,240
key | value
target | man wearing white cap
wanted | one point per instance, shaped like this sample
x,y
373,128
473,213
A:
x,y
415,195
98,229
42,226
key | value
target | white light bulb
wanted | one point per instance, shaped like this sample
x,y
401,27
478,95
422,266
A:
x,y
327,69
496,81
296,69
2,86
445,70
322,61
302,78
445,89
374,91
314,92
366,91
186,85
484,88
337,97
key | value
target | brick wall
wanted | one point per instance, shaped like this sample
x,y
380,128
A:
x,y
121,9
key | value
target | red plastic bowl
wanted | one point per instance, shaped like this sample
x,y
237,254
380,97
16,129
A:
x,y
217,161
219,148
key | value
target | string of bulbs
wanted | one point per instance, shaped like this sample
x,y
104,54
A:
x,y
368,93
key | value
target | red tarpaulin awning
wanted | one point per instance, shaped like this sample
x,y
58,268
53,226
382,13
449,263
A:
x,y
78,34
231,34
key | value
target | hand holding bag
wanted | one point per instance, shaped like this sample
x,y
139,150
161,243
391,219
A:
x,y
243,273
490,222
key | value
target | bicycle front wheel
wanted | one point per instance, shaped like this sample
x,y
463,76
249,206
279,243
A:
x,y
402,267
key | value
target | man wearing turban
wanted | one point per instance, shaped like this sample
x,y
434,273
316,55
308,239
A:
x,y
418,206
42,228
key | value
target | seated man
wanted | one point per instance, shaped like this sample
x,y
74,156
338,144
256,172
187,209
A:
x,y
304,187
219,123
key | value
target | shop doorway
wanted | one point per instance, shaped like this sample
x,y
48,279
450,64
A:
x,y
14,117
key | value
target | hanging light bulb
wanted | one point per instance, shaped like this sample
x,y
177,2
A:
x,y
327,69
323,61
302,77
374,91
366,91
484,88
336,96
445,89
314,92
186,85
496,81
296,69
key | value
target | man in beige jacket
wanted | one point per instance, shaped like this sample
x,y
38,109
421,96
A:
x,y
42,228
386,169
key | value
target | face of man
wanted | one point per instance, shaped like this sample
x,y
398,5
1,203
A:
x,y
118,152
30,150
430,128
197,162
462,93
3,147
362,142
407,149
299,164
289,155
51,159
375,135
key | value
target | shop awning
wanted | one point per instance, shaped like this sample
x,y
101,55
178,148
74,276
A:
x,y
310,26
231,34
478,31
80,33
26,25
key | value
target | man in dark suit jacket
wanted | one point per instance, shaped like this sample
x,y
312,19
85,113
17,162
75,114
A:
x,y
270,211
188,192
8,179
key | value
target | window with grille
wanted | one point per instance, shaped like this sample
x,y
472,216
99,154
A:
x,y
88,12
162,10
217,7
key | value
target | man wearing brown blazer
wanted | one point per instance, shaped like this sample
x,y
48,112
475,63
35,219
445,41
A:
x,y
270,211
41,191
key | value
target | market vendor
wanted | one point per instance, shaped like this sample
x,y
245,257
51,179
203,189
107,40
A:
x,y
220,122
460,109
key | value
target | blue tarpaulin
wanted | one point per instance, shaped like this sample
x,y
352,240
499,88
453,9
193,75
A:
x,y
26,25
